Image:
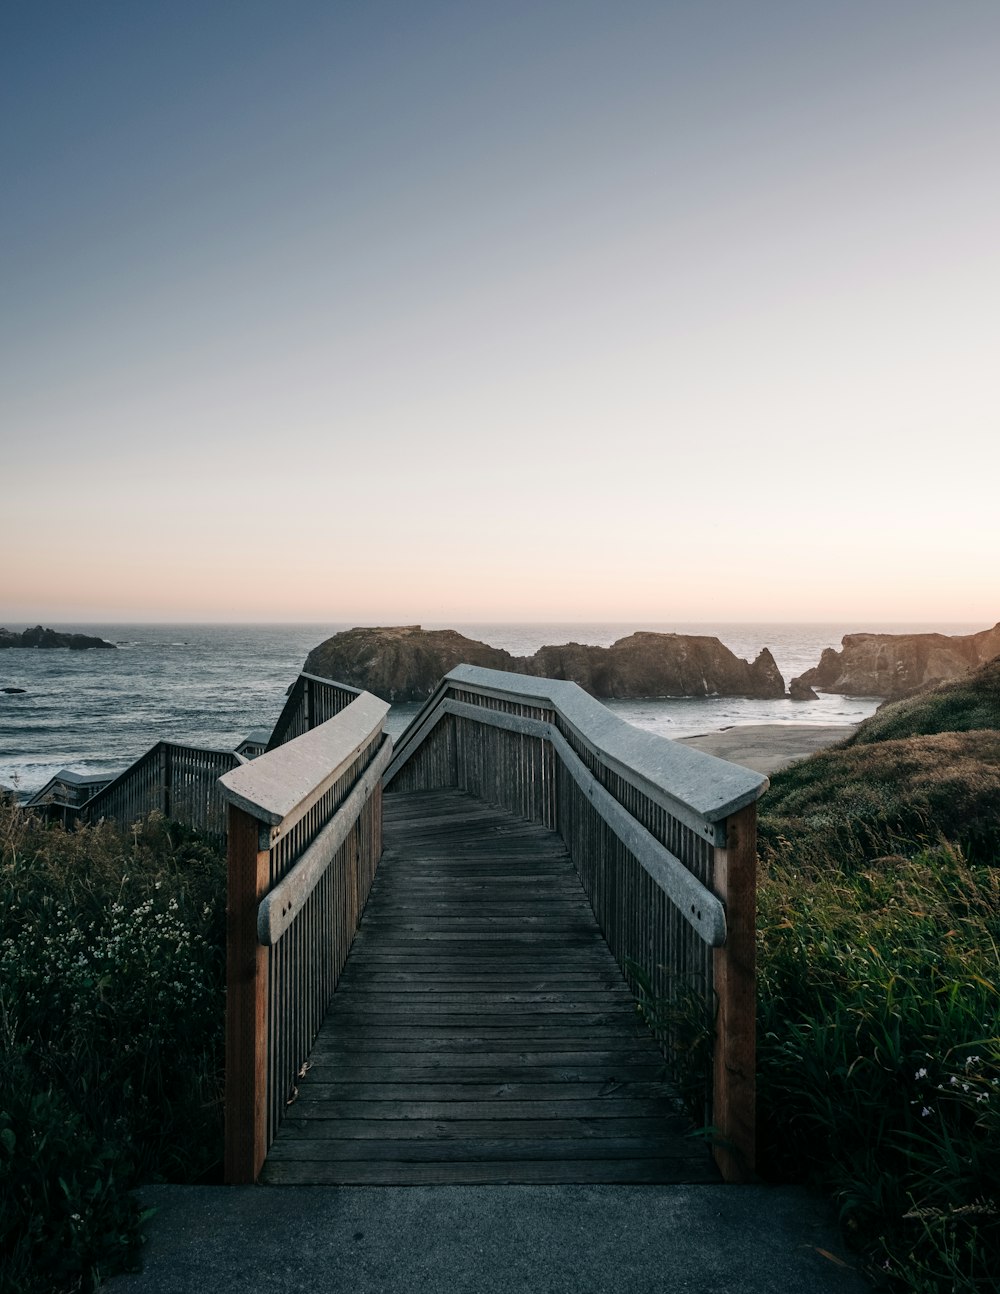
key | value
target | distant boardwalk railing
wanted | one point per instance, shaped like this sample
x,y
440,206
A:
x,y
181,782
662,836
305,837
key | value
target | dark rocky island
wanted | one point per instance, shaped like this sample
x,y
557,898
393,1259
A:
x,y
39,637
406,664
893,665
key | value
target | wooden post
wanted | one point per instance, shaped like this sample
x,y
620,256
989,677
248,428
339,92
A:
x,y
735,1079
246,1002
166,754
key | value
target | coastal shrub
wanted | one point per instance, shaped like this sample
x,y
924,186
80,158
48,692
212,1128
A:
x,y
879,1054
111,1001
66,1217
965,704
879,984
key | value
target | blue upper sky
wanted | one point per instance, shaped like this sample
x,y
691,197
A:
x,y
547,309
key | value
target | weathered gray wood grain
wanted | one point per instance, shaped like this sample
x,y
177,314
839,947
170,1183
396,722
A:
x,y
478,1036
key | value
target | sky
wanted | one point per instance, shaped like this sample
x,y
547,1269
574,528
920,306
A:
x,y
395,312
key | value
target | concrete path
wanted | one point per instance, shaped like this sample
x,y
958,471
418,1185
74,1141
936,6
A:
x,y
490,1240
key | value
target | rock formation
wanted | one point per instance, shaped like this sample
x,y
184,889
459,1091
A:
x,y
653,665
39,637
400,664
407,663
892,665
799,690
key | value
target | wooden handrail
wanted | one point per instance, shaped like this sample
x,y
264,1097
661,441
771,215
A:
x,y
279,908
305,837
181,781
630,805
697,789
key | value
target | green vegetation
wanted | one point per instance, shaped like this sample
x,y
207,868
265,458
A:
x,y
855,803
960,706
879,1001
111,999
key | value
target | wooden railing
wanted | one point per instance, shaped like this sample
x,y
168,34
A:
x,y
311,701
181,782
305,837
662,836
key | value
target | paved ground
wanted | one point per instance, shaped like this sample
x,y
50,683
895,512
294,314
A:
x,y
490,1240
767,747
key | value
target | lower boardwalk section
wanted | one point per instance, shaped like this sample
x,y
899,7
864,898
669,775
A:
x,y
482,1032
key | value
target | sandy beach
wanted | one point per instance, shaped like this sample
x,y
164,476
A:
x,y
768,747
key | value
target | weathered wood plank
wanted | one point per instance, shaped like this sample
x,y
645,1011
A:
x,y
348,1071
531,1051
455,1111
475,1089
483,1149
461,1010
432,1130
536,1034
459,960
424,982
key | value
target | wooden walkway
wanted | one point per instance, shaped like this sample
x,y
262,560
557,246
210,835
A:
x,y
481,1032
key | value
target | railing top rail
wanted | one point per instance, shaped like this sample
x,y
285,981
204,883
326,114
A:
x,y
282,904
709,787
284,782
344,687
197,750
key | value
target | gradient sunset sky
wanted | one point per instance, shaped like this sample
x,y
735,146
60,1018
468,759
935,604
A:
x,y
427,311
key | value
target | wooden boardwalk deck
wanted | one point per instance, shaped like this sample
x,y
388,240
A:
x,y
482,1032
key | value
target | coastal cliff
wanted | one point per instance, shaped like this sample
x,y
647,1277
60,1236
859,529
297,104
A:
x,y
891,665
39,637
406,663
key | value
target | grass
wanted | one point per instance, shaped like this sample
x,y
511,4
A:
x,y
111,999
971,702
879,987
851,804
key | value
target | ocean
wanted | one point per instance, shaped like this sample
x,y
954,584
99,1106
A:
x,y
210,685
